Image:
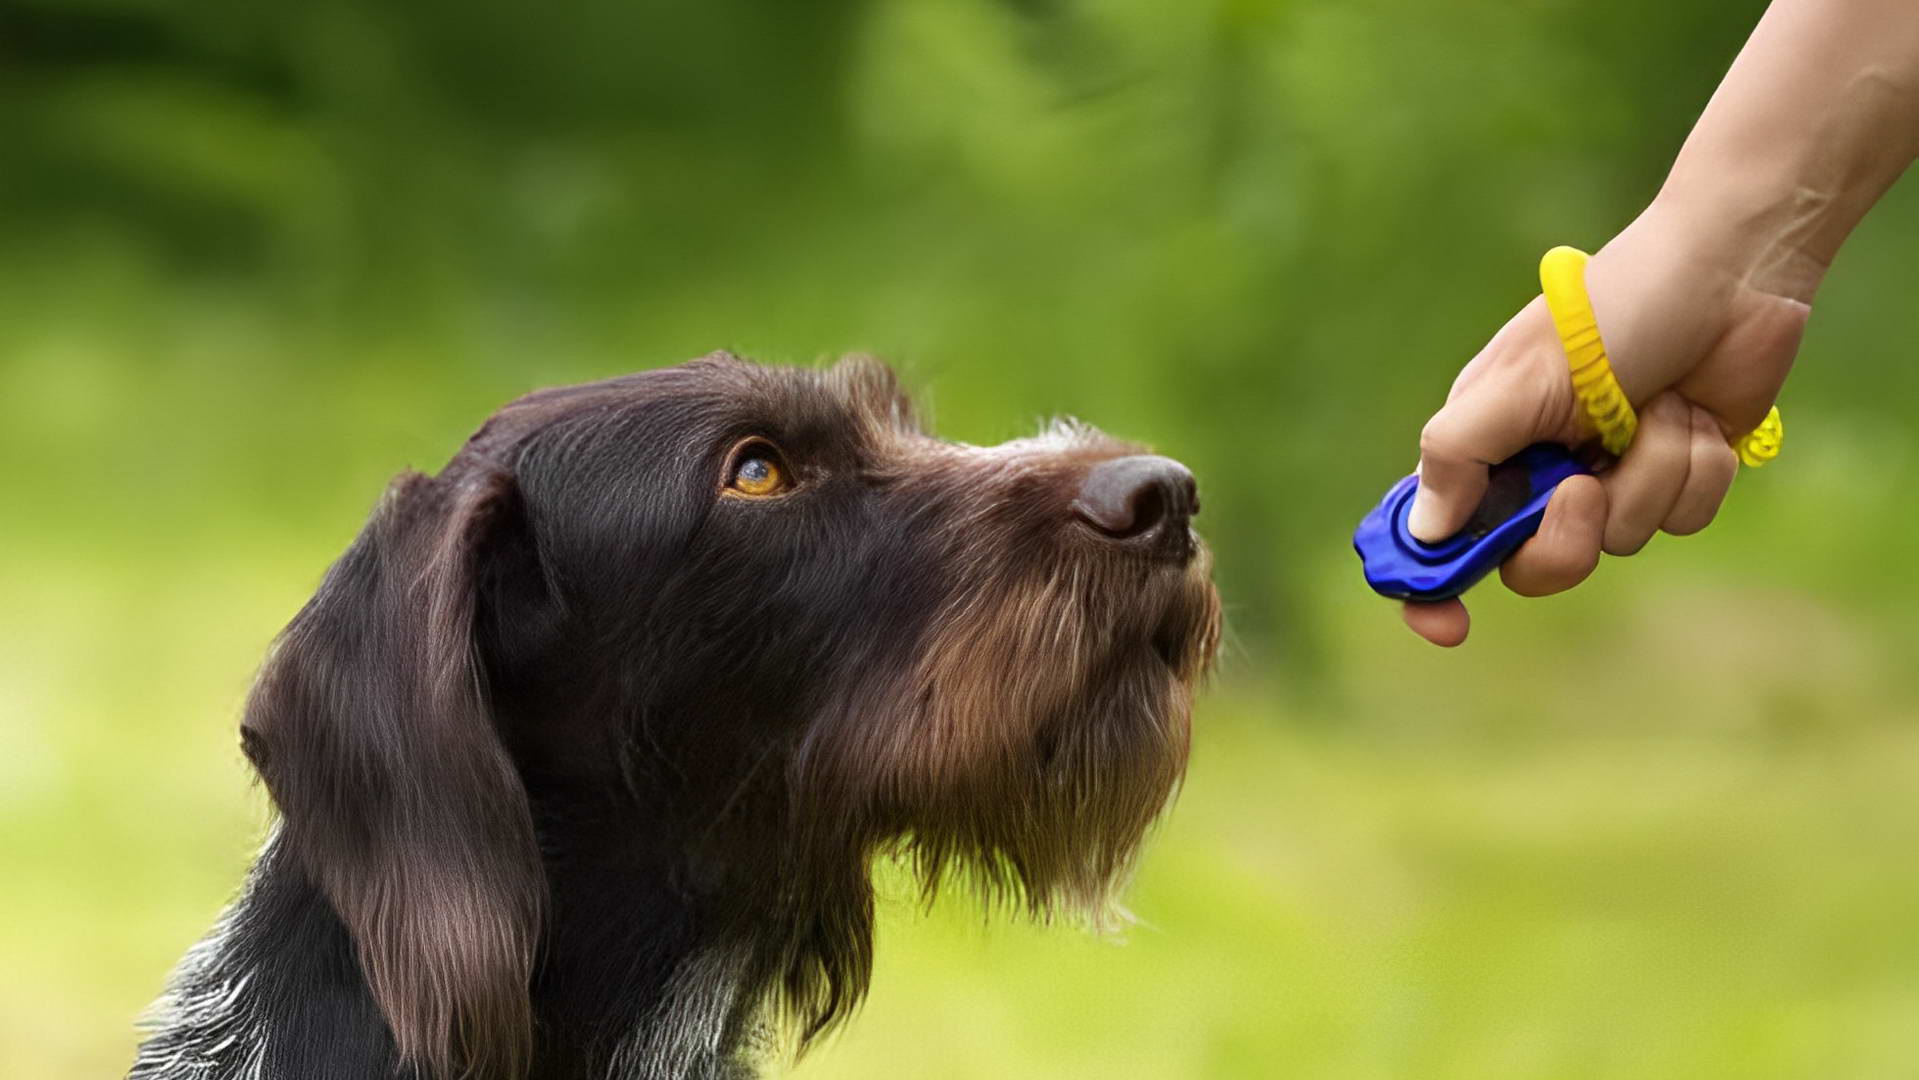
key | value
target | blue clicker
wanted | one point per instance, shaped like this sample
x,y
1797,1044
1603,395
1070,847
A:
x,y
1402,568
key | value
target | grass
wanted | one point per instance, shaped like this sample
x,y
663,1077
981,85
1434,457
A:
x,y
1323,903
1428,866
1660,827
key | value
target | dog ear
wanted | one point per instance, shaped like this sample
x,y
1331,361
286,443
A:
x,y
371,726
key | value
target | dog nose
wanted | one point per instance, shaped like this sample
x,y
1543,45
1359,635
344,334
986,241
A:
x,y
1133,496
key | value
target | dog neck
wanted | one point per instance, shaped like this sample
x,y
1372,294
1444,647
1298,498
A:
x,y
638,976
275,990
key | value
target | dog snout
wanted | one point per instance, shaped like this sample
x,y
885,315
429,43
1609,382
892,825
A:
x,y
1139,496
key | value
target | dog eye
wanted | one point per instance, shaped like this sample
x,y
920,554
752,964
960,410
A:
x,y
757,471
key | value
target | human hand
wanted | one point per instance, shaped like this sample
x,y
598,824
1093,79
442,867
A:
x,y
1699,351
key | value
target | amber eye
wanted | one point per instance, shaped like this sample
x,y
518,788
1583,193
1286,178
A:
x,y
757,472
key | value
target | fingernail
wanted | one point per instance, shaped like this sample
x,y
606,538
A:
x,y
1423,519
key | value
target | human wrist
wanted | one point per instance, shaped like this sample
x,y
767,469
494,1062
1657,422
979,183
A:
x,y
1816,118
1753,226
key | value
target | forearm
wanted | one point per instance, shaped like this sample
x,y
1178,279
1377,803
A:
x,y
1816,119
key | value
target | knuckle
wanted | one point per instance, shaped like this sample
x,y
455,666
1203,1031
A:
x,y
1669,408
1703,422
1438,440
1577,566
1627,542
1688,523
1718,460
1551,569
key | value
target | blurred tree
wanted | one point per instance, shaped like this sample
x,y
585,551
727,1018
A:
x,y
1261,234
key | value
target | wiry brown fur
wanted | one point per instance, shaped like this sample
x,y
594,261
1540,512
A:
x,y
583,758
433,869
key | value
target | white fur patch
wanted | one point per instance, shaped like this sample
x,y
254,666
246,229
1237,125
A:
x,y
685,1038
207,1025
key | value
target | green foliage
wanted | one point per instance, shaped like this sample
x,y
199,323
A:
x,y
260,257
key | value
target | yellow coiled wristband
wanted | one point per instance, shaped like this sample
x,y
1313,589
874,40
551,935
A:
x,y
1562,277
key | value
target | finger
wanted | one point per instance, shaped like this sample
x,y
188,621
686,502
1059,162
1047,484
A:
x,y
1566,548
1444,622
1710,476
1475,430
1643,488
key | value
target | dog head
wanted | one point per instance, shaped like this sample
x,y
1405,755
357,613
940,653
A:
x,y
762,617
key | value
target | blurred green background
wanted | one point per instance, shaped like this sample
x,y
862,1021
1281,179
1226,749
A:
x,y
254,259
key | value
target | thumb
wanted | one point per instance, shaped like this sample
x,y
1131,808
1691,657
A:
x,y
1485,422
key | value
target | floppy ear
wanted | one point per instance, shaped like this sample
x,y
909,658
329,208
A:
x,y
371,726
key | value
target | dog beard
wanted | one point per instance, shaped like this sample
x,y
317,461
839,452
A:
x,y
1042,730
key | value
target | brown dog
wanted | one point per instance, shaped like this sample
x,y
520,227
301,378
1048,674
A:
x,y
583,749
